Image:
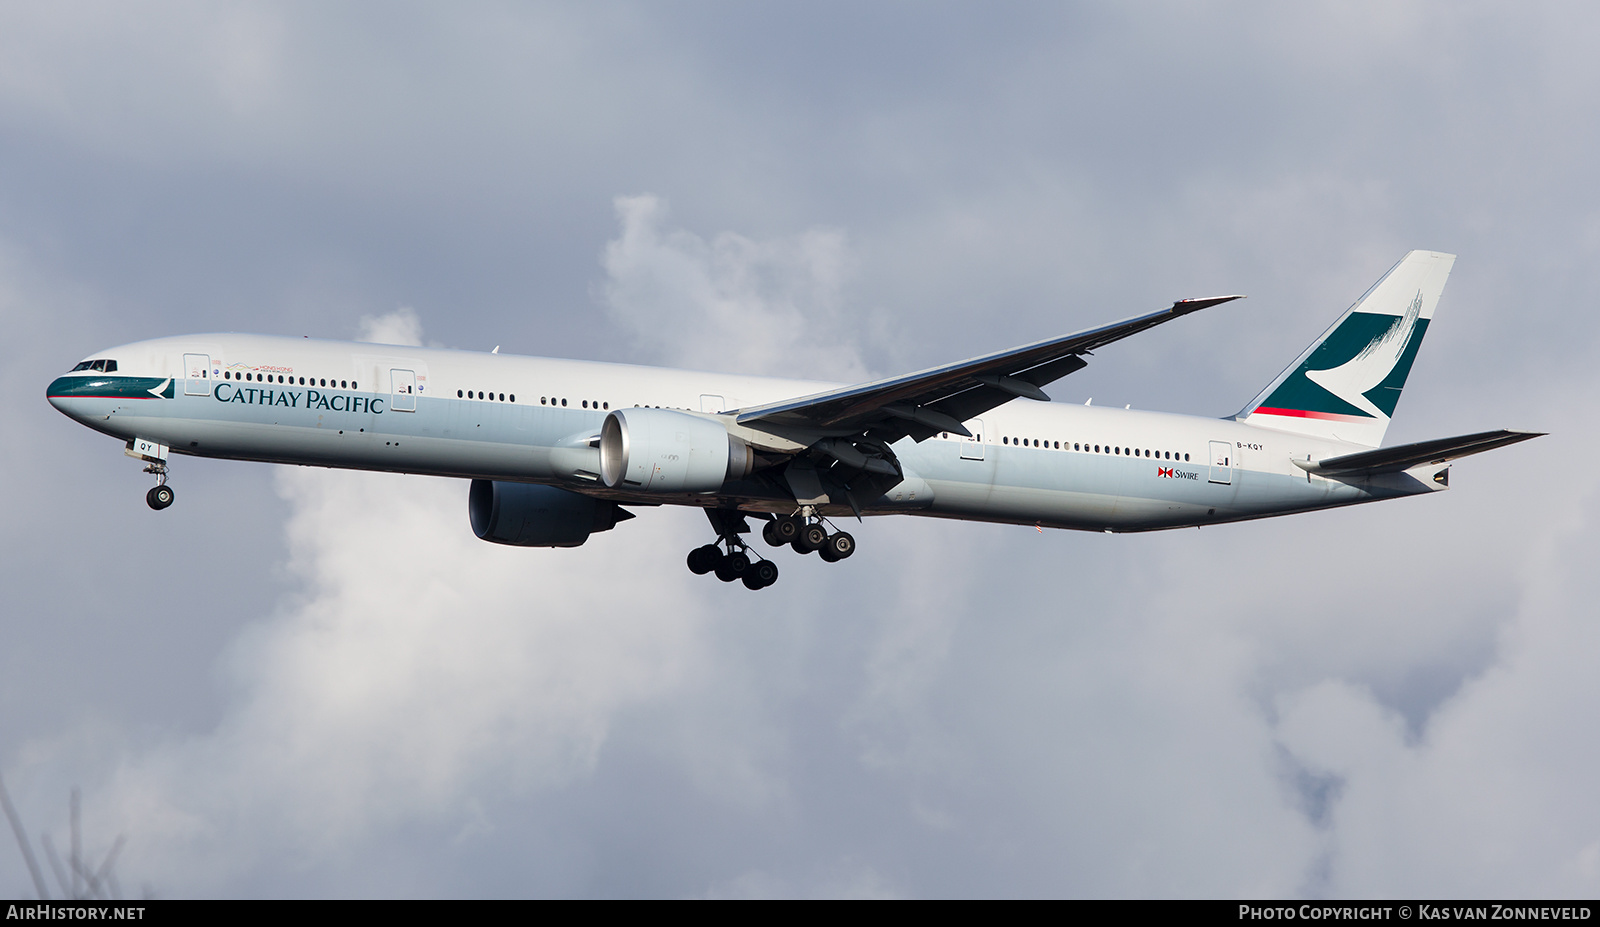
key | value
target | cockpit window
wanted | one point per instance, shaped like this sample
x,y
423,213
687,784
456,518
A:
x,y
104,365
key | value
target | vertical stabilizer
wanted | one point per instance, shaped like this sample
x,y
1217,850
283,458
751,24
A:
x,y
1346,385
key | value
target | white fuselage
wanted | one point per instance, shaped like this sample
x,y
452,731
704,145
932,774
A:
x,y
417,410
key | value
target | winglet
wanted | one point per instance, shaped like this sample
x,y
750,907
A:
x,y
1186,306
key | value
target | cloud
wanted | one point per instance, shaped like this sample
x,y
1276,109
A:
x,y
732,302
402,326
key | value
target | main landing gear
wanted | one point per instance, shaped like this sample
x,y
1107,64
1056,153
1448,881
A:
x,y
805,536
803,532
735,564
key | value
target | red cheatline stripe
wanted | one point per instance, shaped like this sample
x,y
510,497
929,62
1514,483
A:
x,y
1304,413
98,396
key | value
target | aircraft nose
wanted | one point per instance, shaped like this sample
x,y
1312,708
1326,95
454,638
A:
x,y
56,393
59,392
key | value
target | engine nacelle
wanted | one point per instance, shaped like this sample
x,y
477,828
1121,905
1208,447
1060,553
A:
x,y
530,515
659,450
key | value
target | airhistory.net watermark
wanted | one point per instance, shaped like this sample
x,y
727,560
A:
x,y
74,912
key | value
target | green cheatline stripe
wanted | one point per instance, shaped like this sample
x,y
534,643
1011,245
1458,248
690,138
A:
x,y
1340,347
102,387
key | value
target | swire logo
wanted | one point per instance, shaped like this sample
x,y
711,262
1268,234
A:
x,y
1176,474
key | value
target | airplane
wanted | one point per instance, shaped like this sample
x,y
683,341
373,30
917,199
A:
x,y
556,450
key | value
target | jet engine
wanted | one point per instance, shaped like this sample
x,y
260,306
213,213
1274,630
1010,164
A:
x,y
530,515
659,450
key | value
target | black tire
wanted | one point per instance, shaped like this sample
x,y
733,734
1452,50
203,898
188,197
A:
x,y
812,537
765,573
798,547
786,528
826,553
770,535
724,571
738,562
703,560
841,545
159,497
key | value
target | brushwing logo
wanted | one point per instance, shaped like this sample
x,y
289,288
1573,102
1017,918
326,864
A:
x,y
1353,379
1355,374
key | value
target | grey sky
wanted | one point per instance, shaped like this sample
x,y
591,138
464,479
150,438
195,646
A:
x,y
300,682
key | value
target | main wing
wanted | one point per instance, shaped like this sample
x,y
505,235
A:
x,y
922,404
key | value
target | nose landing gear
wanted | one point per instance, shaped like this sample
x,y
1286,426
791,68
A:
x,y
154,454
159,497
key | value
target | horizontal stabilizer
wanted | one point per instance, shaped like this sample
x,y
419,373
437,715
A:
x,y
1406,456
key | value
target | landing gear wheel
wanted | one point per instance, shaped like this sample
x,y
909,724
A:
x,y
812,537
827,554
770,535
159,497
840,545
761,574
786,528
703,560
732,567
766,571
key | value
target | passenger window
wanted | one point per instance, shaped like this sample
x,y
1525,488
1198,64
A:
x,y
563,402
513,397
605,405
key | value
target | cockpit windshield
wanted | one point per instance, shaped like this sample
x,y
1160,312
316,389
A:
x,y
104,365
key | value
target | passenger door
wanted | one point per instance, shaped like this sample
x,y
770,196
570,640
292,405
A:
x,y
972,448
1222,462
196,374
403,385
